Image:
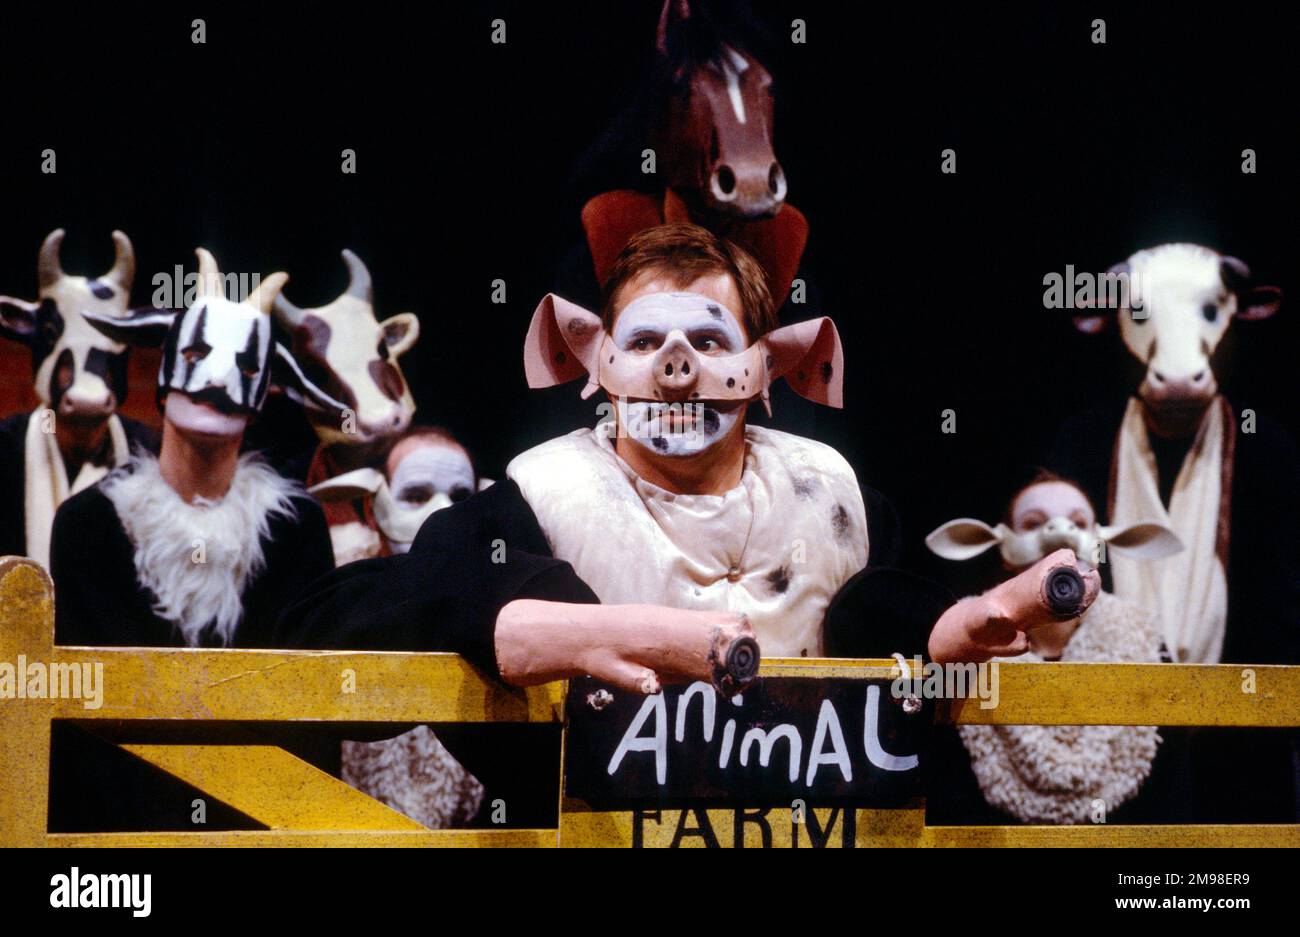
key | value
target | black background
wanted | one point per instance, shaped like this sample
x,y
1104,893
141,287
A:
x,y
467,154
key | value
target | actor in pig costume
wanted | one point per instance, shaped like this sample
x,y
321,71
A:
x,y
652,547
1059,774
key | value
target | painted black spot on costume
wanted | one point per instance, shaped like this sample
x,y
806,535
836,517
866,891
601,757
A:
x,y
99,290
659,443
712,422
731,382
579,327
560,357
611,359
804,488
840,522
62,375
778,580
827,372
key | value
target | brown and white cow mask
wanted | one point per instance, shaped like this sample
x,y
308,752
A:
x,y
78,372
344,349
1046,517
1182,298
680,348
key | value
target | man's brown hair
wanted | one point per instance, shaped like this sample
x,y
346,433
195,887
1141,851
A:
x,y
683,253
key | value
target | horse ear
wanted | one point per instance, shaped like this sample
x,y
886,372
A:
x,y
147,326
1144,541
811,359
563,343
964,538
286,375
18,319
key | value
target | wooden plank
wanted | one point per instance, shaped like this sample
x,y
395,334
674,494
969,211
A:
x,y
455,839
274,787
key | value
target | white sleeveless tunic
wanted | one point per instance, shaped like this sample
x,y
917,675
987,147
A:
x,y
777,547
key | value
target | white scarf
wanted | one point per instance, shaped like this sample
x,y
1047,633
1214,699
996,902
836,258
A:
x,y
1187,592
777,547
1057,774
45,484
197,558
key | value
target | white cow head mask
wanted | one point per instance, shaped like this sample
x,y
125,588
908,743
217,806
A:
x,y
77,371
1182,298
218,353
1045,517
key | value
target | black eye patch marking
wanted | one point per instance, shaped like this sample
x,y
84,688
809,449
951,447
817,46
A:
x,y
249,364
62,375
49,329
840,522
99,290
778,580
111,369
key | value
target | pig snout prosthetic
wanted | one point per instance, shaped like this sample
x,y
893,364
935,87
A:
x,y
636,648
996,624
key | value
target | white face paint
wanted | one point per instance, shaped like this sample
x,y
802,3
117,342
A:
x,y
432,475
645,327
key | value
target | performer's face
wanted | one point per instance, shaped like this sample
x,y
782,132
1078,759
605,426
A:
x,y
652,314
1040,503
425,474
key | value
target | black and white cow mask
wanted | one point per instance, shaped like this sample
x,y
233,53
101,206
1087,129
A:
x,y
220,352
76,370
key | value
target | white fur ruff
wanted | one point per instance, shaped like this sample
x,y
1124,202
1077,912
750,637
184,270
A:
x,y
1057,774
197,558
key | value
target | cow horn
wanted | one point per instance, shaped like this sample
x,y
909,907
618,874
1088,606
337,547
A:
x,y
48,269
123,272
209,275
286,313
359,284
264,296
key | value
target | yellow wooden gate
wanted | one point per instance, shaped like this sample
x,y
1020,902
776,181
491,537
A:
x,y
304,806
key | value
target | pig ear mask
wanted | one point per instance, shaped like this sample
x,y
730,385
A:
x,y
966,538
566,342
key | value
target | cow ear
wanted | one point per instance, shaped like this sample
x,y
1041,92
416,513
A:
x,y
1258,302
964,538
18,319
809,356
562,344
147,326
360,483
287,376
1144,541
400,332
1090,316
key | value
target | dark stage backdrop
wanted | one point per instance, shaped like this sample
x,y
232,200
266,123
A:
x,y
473,159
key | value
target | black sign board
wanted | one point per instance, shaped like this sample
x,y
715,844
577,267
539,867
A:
x,y
822,741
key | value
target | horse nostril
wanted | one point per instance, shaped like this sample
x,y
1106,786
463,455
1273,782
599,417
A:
x,y
726,179
774,178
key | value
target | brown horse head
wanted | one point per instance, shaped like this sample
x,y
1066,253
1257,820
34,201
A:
x,y
713,136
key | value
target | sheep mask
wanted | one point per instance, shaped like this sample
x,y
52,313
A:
x,y
1062,517
219,352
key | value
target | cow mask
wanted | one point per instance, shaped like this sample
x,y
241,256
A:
x,y
680,348
218,352
76,370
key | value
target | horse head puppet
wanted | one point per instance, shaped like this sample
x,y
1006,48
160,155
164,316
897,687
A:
x,y
713,134
78,372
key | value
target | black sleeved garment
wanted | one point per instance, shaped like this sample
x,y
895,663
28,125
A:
x,y
98,600
13,475
475,557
